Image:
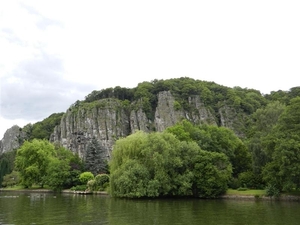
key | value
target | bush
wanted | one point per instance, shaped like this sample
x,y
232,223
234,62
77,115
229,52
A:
x,y
85,177
11,179
234,183
102,181
79,188
272,191
91,185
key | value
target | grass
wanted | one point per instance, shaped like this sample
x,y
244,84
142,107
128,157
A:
x,y
246,192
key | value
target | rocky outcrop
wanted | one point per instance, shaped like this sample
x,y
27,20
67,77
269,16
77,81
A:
x,y
106,120
231,119
109,119
167,115
11,139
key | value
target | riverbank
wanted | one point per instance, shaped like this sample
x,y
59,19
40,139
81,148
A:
x,y
251,197
239,196
51,191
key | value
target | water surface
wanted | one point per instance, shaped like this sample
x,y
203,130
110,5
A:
x,y
40,208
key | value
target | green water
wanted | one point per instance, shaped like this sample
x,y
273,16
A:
x,y
25,208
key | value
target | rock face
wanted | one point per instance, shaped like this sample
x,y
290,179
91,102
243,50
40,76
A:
x,y
10,139
106,121
110,120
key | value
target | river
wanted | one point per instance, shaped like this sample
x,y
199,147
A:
x,y
47,208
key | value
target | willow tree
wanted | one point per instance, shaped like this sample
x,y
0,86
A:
x,y
158,164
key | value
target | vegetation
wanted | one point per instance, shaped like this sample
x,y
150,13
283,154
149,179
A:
x,y
261,151
6,164
40,162
41,130
95,160
159,165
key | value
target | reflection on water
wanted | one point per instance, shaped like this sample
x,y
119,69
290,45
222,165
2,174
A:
x,y
33,208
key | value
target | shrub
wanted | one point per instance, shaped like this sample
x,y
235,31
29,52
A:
x,y
91,185
234,183
85,177
79,188
102,181
272,191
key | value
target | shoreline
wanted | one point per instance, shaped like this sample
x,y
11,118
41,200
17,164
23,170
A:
x,y
226,196
265,198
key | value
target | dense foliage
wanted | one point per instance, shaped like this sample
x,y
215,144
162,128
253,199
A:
x,y
283,150
215,139
40,162
6,164
95,160
42,129
159,164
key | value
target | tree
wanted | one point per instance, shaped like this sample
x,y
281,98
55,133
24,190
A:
x,y
63,169
215,139
158,164
283,146
263,122
11,179
95,160
85,177
32,161
7,163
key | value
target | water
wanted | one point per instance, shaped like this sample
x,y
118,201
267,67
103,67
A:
x,y
36,208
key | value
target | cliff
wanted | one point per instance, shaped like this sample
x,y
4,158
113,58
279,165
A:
x,y
110,119
11,139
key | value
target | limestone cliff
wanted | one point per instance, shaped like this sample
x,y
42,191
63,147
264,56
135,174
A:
x,y
106,120
109,119
11,139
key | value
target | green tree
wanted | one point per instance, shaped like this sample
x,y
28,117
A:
x,y
263,121
11,179
158,164
32,161
215,139
85,177
7,163
283,145
61,172
95,160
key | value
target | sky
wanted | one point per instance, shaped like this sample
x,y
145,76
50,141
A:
x,y
55,52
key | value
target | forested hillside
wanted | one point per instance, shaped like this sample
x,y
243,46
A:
x,y
259,134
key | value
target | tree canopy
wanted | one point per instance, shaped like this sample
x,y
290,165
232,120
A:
x,y
158,164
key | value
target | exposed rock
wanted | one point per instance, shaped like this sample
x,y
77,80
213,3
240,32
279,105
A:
x,y
11,139
231,119
138,118
109,120
166,115
106,121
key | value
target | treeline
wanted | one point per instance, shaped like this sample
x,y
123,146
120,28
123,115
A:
x,y
212,94
41,163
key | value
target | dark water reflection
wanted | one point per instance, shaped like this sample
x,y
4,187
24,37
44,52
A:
x,y
19,209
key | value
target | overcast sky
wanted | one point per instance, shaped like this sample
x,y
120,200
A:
x,y
53,53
